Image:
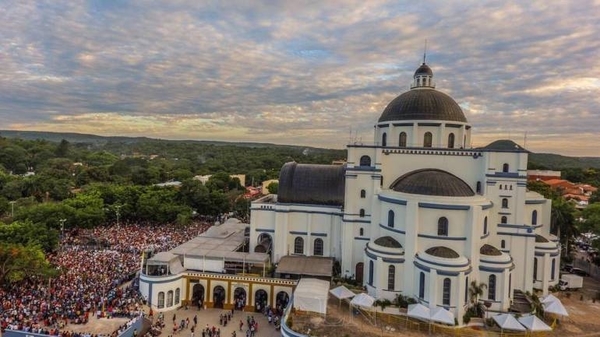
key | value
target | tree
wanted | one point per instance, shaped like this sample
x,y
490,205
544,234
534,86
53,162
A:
x,y
476,291
18,262
591,218
28,233
273,188
62,150
562,221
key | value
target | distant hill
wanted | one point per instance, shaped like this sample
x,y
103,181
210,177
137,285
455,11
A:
x,y
536,160
558,162
73,137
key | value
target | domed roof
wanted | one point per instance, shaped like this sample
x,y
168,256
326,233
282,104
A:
x,y
540,239
504,145
432,182
423,104
424,70
388,241
444,252
490,250
311,184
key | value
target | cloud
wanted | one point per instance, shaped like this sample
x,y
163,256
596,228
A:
x,y
298,72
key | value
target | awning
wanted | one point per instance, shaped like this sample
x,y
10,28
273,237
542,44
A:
x,y
363,300
555,307
418,311
311,295
441,315
508,322
342,292
533,323
305,265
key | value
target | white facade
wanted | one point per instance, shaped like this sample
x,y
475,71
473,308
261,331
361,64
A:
x,y
419,205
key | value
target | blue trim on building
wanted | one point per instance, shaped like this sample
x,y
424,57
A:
x,y
319,234
437,237
370,255
492,270
442,264
442,206
516,234
361,238
265,230
382,252
298,233
543,254
495,262
334,213
488,206
505,225
363,169
485,236
390,260
392,229
151,282
535,202
505,196
505,213
391,201
356,220
506,175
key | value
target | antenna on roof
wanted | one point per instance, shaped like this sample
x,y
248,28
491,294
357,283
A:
x,y
425,52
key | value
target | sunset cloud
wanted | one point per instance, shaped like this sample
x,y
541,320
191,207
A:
x,y
299,72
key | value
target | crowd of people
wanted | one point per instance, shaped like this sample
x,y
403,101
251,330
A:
x,y
93,265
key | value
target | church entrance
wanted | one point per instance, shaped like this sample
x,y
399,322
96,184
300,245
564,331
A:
x,y
218,297
261,298
239,295
198,295
358,274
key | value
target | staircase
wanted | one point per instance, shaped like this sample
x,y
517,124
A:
x,y
521,303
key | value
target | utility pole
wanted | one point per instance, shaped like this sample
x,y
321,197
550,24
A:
x,y
12,208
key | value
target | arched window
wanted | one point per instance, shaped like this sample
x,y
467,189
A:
x,y
161,299
422,285
402,139
451,141
318,247
298,245
391,218
365,161
500,187
177,295
391,278
170,298
361,232
427,139
371,267
446,292
443,226
503,219
510,187
492,288
504,203
534,218
361,213
384,139
485,225
466,289
553,270
363,194
503,244
478,189
505,167
535,263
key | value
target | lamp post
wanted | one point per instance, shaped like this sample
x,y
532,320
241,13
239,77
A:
x,y
12,208
118,212
62,227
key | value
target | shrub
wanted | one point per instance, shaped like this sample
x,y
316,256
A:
x,y
466,318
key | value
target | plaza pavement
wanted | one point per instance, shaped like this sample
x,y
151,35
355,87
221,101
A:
x,y
211,317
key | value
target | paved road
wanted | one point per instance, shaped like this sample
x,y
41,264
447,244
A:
x,y
211,317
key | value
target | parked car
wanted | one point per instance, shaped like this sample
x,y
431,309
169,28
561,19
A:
x,y
580,272
567,268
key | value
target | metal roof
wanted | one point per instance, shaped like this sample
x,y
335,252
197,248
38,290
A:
x,y
444,252
423,104
311,184
432,182
305,265
388,241
489,250
504,145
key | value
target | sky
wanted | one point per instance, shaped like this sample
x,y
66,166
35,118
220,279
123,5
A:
x,y
310,73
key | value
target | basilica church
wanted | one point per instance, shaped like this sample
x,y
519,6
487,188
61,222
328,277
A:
x,y
419,211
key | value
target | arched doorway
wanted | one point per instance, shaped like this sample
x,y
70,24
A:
x,y
261,298
282,300
240,298
198,295
218,297
358,274
264,244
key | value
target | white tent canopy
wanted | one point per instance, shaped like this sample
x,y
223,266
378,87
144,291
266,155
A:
x,y
549,298
533,323
418,311
363,300
508,322
441,315
342,292
311,295
555,307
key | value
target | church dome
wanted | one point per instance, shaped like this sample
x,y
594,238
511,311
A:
x,y
424,70
423,102
432,182
311,184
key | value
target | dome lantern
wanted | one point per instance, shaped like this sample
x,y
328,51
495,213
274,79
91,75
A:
x,y
423,78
